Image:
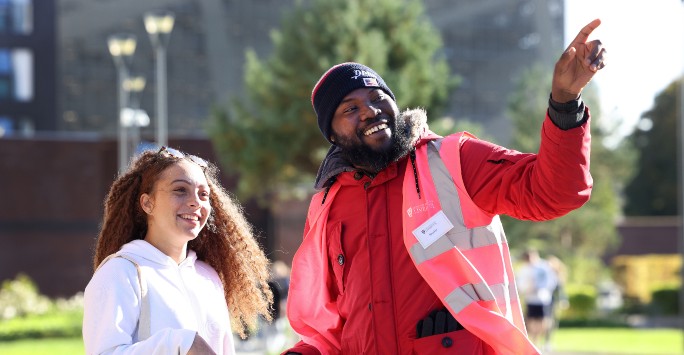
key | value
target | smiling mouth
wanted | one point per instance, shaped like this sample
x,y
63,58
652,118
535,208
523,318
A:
x,y
374,129
190,217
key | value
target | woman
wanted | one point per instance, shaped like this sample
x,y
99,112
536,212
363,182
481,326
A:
x,y
183,264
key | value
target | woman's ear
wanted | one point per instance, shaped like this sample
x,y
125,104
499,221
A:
x,y
146,203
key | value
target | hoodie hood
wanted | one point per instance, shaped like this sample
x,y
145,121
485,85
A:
x,y
335,163
142,250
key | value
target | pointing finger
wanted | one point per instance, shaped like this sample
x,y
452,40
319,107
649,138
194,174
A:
x,y
584,33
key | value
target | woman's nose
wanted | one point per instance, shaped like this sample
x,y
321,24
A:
x,y
194,200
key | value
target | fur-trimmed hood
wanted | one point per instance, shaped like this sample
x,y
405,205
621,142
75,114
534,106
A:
x,y
334,162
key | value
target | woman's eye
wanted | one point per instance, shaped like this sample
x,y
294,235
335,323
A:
x,y
179,190
204,194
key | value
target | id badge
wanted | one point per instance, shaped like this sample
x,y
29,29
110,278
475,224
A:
x,y
432,229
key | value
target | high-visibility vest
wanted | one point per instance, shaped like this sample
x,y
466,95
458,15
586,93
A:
x,y
467,265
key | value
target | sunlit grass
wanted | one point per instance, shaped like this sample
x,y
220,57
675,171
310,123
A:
x,y
619,341
58,346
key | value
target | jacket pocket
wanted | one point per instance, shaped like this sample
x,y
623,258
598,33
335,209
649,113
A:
x,y
456,342
336,255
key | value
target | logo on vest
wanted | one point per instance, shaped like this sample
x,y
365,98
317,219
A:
x,y
422,208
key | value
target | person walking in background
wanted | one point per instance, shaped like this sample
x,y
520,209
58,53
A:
x,y
176,264
403,250
537,282
559,299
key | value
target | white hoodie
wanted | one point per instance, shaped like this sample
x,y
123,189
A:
x,y
185,299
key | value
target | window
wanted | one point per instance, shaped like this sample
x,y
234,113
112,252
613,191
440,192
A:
x,y
5,126
16,74
16,17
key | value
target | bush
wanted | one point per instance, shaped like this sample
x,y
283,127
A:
x,y
25,313
593,323
20,297
582,301
665,301
52,325
632,305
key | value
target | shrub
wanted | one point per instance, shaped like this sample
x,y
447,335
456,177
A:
x,y
665,301
582,299
25,313
51,325
20,297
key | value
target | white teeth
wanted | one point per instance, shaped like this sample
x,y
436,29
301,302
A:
x,y
375,129
190,217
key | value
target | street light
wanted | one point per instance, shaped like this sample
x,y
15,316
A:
x,y
122,47
159,25
134,85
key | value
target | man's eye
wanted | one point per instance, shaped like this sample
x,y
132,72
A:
x,y
179,190
350,109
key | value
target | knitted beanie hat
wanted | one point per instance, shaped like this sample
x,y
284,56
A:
x,y
335,84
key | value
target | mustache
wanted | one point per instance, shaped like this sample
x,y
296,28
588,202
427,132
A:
x,y
379,118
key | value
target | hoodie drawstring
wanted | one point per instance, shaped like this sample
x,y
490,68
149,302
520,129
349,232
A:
x,y
412,155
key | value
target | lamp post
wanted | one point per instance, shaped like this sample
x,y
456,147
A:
x,y
134,85
122,47
159,25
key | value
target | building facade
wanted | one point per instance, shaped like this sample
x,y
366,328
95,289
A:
x,y
28,60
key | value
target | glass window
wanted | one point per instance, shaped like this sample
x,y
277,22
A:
x,y
22,16
22,65
16,17
4,16
5,74
5,126
5,62
16,74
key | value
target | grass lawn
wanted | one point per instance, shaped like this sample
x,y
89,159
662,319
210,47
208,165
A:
x,y
55,346
567,340
618,341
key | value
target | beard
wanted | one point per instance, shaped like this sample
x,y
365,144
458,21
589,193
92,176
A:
x,y
363,156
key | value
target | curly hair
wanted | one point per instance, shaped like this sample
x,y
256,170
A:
x,y
227,241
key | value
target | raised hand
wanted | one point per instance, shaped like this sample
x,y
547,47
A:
x,y
578,65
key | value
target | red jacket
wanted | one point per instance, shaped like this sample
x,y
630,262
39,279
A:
x,y
373,290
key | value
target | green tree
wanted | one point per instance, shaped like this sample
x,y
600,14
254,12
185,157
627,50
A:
x,y
270,137
653,191
581,237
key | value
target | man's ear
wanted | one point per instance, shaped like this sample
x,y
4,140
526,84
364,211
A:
x,y
146,203
332,138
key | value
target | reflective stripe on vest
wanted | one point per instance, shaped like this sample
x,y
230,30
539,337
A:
x,y
469,268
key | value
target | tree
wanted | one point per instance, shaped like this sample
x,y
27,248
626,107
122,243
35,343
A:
x,y
581,237
271,137
653,191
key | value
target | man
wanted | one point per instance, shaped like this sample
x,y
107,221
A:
x,y
403,250
537,282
